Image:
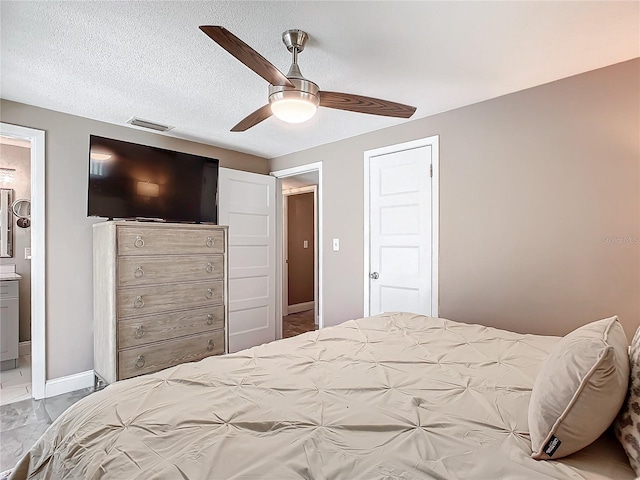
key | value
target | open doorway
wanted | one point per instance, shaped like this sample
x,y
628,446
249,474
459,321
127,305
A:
x,y
15,269
22,266
300,251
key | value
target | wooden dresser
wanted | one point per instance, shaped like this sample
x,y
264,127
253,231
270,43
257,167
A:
x,y
159,296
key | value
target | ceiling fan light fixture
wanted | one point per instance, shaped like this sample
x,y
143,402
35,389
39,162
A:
x,y
297,104
294,110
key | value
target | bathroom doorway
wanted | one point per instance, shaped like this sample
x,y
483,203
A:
x,y
15,269
25,264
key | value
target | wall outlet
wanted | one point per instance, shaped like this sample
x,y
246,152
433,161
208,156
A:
x,y
336,244
305,244
27,253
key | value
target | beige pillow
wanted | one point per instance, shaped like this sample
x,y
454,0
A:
x,y
627,424
579,390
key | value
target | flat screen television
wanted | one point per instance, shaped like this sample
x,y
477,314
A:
x,y
132,181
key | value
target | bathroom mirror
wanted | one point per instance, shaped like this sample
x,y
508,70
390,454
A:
x,y
6,223
21,208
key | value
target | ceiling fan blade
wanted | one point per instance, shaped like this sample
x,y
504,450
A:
x,y
253,119
360,104
246,55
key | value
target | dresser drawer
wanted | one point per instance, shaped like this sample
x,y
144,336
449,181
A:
x,y
168,241
138,331
164,298
9,289
151,358
142,270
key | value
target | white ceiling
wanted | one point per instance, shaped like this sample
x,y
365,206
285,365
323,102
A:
x,y
113,60
16,142
301,180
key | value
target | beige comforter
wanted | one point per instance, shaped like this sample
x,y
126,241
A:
x,y
396,396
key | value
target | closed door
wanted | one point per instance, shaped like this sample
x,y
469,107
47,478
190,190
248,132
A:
x,y
400,225
247,206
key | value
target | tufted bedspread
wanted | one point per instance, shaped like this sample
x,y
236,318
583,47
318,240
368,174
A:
x,y
396,396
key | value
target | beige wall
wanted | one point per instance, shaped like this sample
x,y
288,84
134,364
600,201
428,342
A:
x,y
69,313
537,189
300,220
19,158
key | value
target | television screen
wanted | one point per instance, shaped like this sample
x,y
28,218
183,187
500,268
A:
x,y
127,180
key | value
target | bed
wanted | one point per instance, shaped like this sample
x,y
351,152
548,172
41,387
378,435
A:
x,y
396,396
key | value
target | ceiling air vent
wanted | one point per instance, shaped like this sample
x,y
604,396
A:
x,y
138,122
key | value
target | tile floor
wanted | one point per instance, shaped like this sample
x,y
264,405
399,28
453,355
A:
x,y
297,323
22,423
15,384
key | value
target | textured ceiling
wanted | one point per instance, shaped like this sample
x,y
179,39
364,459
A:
x,y
113,60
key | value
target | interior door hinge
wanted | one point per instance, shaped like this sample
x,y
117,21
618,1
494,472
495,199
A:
x,y
431,170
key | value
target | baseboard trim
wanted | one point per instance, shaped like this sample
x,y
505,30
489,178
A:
x,y
67,384
24,348
301,307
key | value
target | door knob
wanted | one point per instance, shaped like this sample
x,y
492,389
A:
x,y
374,275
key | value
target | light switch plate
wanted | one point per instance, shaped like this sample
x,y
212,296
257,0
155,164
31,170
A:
x,y
27,253
305,244
336,244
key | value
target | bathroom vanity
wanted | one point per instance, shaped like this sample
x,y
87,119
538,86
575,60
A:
x,y
9,301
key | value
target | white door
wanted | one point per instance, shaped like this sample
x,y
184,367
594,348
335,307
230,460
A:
x,y
401,230
247,205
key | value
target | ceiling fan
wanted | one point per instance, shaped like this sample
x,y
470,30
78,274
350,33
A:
x,y
292,97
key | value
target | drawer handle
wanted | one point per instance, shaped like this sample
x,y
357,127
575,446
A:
x,y
209,267
139,332
210,319
140,361
209,242
139,273
139,243
209,293
210,345
139,303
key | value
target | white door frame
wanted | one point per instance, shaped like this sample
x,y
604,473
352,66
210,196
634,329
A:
x,y
290,172
285,245
435,208
38,284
